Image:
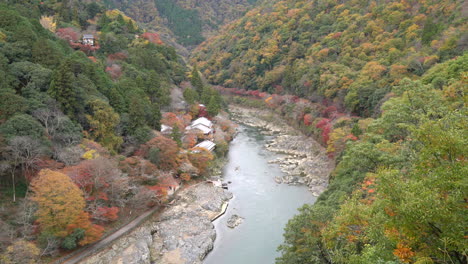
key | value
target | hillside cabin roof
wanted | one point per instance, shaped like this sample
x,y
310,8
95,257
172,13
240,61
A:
x,y
205,130
208,145
88,39
166,129
203,121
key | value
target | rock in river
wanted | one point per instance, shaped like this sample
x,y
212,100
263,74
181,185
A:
x,y
234,221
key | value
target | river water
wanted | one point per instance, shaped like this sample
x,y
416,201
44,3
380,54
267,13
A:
x,y
265,205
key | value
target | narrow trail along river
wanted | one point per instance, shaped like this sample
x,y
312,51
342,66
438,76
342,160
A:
x,y
265,205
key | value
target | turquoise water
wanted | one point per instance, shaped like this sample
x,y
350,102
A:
x,y
265,205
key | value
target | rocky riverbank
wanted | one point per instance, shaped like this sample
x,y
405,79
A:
x,y
303,160
181,234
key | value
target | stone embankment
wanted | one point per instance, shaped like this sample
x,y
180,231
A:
x,y
302,159
181,234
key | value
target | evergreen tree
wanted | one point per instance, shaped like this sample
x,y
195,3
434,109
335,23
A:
x,y
196,81
136,113
61,88
213,106
155,120
190,96
176,135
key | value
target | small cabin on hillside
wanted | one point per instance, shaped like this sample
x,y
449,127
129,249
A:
x,y
88,39
166,130
208,145
202,124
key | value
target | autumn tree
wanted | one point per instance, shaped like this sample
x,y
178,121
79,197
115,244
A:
x,y
60,202
21,251
103,122
200,158
162,151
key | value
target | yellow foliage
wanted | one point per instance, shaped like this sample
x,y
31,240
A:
x,y
323,53
112,14
373,70
48,23
21,251
59,200
90,154
335,142
2,37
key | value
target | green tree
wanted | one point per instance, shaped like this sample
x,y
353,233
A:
x,y
103,122
214,106
61,88
136,113
22,125
196,81
190,96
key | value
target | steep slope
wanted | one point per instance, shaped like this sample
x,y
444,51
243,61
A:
x,y
189,22
388,79
81,93
349,51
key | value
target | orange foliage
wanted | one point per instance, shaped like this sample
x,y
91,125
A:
x,y
200,158
60,203
172,120
168,150
152,37
403,252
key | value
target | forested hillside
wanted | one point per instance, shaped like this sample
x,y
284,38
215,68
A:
x,y
386,86
189,21
81,94
348,52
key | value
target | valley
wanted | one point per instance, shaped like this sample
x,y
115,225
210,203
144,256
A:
x,y
338,128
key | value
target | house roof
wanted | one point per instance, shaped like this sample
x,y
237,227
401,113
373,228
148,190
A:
x,y
209,145
88,36
203,121
165,128
202,128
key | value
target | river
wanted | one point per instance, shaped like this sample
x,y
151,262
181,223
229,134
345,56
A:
x,y
265,205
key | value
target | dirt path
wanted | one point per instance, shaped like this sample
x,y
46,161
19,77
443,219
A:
x,y
79,255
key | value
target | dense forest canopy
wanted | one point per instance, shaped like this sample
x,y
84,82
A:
x,y
386,83
381,84
188,21
84,91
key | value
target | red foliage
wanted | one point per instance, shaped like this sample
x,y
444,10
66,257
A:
x,y
322,123
279,89
190,140
106,213
326,133
325,125
351,137
116,56
200,158
168,151
92,232
137,166
308,119
202,111
93,59
152,37
330,112
337,35
70,34
115,71
172,120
